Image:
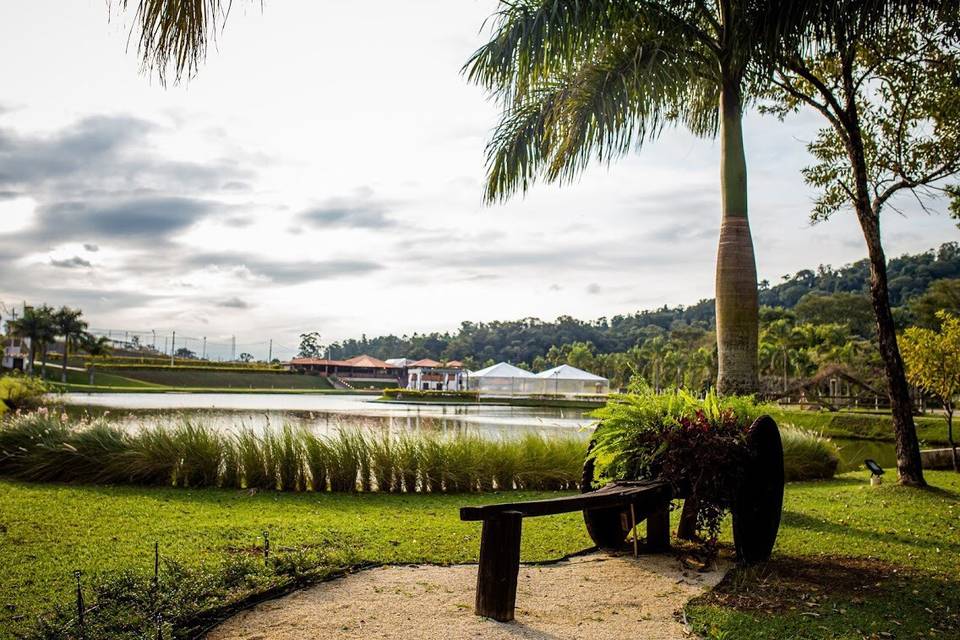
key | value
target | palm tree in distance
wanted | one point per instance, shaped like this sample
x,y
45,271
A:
x,y
69,325
579,80
95,348
30,326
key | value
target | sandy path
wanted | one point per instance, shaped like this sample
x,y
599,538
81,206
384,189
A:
x,y
592,596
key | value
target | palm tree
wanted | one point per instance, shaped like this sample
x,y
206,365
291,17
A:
x,y
68,324
35,325
782,338
585,79
95,348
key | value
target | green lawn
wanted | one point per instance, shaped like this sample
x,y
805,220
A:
x,y
101,378
931,429
838,532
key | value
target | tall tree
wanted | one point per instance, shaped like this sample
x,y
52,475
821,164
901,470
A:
x,y
893,108
71,327
579,80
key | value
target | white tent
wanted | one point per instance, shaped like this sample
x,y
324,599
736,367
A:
x,y
567,380
502,379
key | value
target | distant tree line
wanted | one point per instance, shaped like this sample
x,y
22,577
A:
x,y
834,301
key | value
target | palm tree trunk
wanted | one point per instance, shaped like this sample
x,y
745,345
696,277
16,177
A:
x,y
43,360
66,352
33,355
736,279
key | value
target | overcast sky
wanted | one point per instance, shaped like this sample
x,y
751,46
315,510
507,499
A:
x,y
324,172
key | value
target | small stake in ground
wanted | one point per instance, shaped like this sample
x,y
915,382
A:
x,y
80,607
156,564
266,546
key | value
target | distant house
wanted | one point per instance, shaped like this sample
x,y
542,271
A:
x,y
16,353
359,369
430,375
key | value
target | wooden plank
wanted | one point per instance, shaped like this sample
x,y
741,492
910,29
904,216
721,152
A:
x,y
499,566
613,495
658,529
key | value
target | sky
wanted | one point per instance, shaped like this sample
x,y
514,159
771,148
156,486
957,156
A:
x,y
324,172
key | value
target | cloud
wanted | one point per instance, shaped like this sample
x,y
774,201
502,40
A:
x,y
76,262
152,219
92,248
594,289
234,303
361,213
103,154
280,272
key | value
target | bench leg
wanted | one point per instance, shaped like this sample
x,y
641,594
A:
x,y
499,566
658,529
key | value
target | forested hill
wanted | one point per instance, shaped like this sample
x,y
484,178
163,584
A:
x,y
522,340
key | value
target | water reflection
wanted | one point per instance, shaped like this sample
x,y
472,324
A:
x,y
325,414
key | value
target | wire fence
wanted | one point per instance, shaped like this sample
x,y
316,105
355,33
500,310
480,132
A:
x,y
176,343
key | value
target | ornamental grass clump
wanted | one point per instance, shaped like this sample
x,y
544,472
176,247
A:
x,y
697,445
807,455
41,446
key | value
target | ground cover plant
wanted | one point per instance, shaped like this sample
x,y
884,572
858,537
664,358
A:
x,y
839,538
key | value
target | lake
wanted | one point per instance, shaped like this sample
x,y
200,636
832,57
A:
x,y
325,413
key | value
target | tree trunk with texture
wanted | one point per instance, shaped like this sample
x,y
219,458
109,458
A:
x,y
736,280
909,469
948,407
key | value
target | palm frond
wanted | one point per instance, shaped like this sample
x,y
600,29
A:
x,y
535,39
636,84
174,34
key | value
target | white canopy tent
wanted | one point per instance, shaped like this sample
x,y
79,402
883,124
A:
x,y
502,379
567,380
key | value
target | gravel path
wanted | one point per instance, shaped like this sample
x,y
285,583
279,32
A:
x,y
591,596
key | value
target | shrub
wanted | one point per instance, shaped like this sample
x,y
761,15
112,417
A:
x,y
20,392
808,455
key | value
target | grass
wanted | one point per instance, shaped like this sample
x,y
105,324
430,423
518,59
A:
x,y
46,445
199,378
861,424
852,562
48,531
101,379
840,530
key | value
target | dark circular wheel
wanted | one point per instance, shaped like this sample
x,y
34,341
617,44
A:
x,y
759,502
607,527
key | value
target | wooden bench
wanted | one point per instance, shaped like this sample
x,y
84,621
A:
x,y
614,510
502,525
